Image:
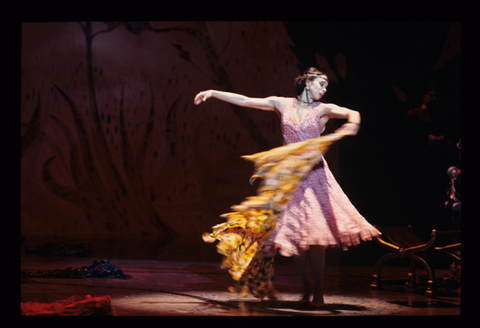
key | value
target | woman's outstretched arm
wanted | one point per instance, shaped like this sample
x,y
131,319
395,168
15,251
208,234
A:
x,y
268,104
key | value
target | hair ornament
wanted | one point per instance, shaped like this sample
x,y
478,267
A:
x,y
323,76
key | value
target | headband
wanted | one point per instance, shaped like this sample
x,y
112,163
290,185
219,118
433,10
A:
x,y
323,76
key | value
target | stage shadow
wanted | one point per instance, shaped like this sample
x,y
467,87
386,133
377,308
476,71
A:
x,y
295,308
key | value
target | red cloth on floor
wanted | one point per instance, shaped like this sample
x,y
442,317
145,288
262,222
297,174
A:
x,y
72,306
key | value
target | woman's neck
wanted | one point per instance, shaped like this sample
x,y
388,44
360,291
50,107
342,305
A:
x,y
304,99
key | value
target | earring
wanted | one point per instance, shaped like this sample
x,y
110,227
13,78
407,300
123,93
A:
x,y
307,88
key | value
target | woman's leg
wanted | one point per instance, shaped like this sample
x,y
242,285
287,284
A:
x,y
302,265
317,261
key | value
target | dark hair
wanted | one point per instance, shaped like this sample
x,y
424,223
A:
x,y
309,74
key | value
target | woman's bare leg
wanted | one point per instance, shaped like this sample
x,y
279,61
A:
x,y
302,265
317,261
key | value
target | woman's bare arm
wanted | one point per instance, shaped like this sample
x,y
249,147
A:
x,y
272,103
353,118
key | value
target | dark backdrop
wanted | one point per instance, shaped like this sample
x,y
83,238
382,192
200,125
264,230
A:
x,y
114,150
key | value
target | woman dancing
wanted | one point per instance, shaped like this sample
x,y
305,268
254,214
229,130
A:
x,y
319,215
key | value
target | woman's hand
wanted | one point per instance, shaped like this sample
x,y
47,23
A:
x,y
202,96
350,128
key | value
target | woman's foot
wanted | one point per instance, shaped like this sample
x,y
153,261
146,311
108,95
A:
x,y
318,302
272,296
305,299
316,305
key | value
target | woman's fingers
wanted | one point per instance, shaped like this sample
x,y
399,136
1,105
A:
x,y
200,97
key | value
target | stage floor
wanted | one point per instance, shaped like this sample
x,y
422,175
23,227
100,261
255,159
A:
x,y
199,288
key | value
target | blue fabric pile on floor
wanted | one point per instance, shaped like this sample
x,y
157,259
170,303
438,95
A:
x,y
102,269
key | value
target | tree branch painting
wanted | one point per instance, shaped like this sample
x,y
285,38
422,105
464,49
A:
x,y
135,161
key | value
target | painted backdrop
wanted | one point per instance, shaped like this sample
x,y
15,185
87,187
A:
x,y
113,147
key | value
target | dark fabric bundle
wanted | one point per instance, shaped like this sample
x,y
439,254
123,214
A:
x,y
102,269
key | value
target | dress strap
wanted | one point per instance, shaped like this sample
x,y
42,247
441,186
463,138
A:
x,y
290,104
287,109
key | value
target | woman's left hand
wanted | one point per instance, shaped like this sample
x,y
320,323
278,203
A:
x,y
350,128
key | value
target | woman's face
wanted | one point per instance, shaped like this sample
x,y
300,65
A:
x,y
318,87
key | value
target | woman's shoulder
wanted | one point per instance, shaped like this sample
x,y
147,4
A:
x,y
281,102
325,107
280,99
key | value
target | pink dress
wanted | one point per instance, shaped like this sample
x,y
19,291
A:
x,y
319,213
